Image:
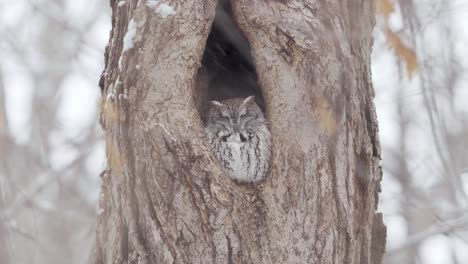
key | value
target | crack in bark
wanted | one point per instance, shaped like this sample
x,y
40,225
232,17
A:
x,y
230,261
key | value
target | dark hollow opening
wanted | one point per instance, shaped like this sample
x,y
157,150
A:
x,y
227,68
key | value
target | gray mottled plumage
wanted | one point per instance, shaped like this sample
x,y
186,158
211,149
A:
x,y
238,134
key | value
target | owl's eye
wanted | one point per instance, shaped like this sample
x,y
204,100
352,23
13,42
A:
x,y
249,117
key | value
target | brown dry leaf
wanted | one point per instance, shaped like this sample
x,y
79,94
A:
x,y
403,52
384,7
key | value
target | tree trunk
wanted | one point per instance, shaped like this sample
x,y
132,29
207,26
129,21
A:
x,y
164,198
5,243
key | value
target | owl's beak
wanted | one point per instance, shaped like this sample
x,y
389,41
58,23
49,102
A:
x,y
237,128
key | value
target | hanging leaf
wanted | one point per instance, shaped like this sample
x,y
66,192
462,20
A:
x,y
403,52
384,7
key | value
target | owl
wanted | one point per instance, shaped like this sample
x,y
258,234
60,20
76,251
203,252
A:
x,y
238,134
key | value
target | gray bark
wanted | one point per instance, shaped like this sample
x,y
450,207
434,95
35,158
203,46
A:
x,y
164,198
4,194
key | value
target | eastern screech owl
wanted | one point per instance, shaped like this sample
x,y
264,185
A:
x,y
239,137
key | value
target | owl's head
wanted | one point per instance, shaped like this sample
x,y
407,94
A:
x,y
236,115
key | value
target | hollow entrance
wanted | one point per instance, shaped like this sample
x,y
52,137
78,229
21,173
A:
x,y
227,68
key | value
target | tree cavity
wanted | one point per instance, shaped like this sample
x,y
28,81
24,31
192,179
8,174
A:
x,y
227,69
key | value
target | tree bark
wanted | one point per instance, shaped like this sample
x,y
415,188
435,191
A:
x,y
164,198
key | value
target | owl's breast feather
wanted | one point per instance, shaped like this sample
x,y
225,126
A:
x,y
237,164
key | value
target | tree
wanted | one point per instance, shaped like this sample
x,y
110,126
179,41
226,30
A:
x,y
164,198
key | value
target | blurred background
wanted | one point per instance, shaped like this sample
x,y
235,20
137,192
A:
x,y
52,150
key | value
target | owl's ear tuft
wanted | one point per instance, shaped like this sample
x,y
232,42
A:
x,y
216,103
248,100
